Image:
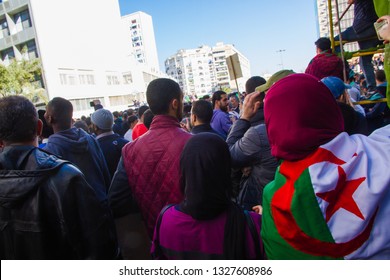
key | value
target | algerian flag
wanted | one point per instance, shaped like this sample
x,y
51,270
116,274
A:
x,y
334,204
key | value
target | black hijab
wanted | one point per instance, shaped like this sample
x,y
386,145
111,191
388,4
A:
x,y
205,180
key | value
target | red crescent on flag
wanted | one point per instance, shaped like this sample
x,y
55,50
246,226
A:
x,y
285,222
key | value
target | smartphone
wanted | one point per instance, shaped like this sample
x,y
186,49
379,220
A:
x,y
379,26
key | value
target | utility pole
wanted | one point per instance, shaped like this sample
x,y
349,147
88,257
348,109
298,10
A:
x,y
281,57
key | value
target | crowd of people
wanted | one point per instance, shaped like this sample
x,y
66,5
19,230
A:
x,y
292,169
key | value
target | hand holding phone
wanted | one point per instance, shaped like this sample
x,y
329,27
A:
x,y
382,28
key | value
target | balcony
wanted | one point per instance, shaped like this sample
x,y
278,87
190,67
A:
x,y
14,4
5,43
23,36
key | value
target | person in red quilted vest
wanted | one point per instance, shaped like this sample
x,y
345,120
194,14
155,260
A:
x,y
148,177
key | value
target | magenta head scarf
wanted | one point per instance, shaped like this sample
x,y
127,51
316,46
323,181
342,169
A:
x,y
301,114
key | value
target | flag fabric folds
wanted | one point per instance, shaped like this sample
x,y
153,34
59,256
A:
x,y
333,204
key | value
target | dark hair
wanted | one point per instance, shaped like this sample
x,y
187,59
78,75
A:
x,y
141,110
130,112
203,110
82,124
205,97
148,118
61,111
46,129
380,75
88,121
235,95
187,109
217,96
253,82
323,44
160,93
115,114
18,119
131,119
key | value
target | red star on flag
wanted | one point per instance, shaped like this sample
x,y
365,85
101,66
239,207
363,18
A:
x,y
341,196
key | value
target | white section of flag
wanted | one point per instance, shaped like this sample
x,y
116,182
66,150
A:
x,y
373,162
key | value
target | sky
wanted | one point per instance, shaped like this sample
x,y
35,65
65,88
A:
x,y
257,28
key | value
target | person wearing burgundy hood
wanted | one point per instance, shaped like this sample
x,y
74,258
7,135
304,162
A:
x,y
330,196
148,174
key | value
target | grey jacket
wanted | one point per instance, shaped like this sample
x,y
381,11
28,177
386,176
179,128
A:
x,y
249,146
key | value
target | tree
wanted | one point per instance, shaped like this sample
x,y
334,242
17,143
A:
x,y
22,78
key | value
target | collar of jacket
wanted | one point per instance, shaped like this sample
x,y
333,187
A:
x,y
164,121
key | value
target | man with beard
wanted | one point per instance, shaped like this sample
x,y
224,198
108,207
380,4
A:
x,y
148,174
221,122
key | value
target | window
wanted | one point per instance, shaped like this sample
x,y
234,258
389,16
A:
x,y
128,78
29,50
72,80
90,79
87,79
120,100
7,55
84,103
22,20
63,79
68,79
4,30
112,80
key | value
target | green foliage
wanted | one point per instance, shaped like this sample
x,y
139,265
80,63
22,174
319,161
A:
x,y
22,78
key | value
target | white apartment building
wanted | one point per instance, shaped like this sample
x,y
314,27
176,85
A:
x,y
141,46
82,48
324,24
204,70
220,52
141,40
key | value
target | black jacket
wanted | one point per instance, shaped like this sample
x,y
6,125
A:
x,y
48,210
249,147
111,146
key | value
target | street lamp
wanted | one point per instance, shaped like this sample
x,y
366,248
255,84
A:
x,y
281,57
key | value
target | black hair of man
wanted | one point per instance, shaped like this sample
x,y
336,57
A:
x,y
116,114
160,93
187,110
81,124
323,44
46,129
253,82
148,118
61,111
235,95
88,121
203,111
130,112
217,96
380,76
18,119
205,97
142,110
131,119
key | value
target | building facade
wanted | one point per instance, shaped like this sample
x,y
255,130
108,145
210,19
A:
x,y
82,49
204,70
141,46
323,26
141,40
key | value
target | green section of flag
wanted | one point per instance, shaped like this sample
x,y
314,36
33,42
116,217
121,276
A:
x,y
305,210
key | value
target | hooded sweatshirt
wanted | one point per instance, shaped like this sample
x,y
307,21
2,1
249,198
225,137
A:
x,y
83,150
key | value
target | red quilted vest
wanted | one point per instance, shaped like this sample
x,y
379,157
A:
x,y
152,166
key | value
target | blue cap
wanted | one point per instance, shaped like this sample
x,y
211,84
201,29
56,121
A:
x,y
336,85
